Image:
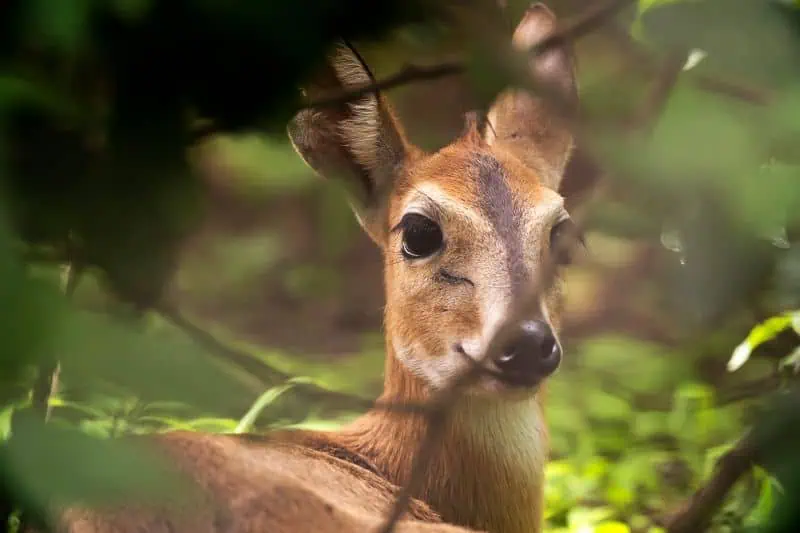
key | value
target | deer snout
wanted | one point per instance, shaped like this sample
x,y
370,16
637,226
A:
x,y
531,355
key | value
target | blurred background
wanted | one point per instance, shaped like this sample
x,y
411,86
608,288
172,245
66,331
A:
x,y
170,262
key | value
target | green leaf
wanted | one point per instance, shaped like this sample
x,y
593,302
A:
x,y
611,527
132,9
61,24
5,421
761,333
581,517
263,401
48,464
212,424
606,406
317,424
86,410
766,502
166,421
692,417
650,424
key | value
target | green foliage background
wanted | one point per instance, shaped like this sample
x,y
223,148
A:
x,y
206,274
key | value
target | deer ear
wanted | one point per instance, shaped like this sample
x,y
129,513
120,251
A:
x,y
522,122
358,142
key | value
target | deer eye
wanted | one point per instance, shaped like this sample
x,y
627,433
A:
x,y
422,237
562,241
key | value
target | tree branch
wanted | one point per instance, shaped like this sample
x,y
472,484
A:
x,y
407,75
736,90
775,435
573,29
248,362
656,100
46,385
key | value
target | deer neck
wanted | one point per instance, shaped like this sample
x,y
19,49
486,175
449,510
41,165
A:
x,y
488,470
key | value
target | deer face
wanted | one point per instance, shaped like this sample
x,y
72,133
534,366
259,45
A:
x,y
470,228
463,230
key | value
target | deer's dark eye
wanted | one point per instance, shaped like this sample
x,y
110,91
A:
x,y
422,237
563,239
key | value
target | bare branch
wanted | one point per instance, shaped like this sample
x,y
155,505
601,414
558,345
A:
x,y
46,385
409,74
642,59
575,28
700,509
207,340
753,95
247,361
775,435
655,102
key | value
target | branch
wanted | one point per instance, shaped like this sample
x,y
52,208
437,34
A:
x,y
700,509
407,75
573,29
647,116
46,385
202,336
774,436
736,90
251,364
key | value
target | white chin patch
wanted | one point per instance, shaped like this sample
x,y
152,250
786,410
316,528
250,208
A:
x,y
436,371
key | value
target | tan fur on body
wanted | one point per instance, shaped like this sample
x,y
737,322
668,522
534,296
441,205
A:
x,y
250,487
494,195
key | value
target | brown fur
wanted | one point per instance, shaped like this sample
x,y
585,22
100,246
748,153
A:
x,y
494,193
248,486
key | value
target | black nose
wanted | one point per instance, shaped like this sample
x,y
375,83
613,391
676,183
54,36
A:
x,y
532,355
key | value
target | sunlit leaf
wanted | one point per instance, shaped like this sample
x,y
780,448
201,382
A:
x,y
692,416
212,424
248,420
612,527
765,505
604,405
316,424
761,333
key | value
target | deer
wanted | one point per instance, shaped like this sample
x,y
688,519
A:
x,y
461,231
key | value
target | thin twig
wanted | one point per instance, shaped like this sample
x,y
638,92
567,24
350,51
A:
x,y
642,59
580,26
46,385
249,362
203,337
407,75
575,28
583,23
656,100
730,89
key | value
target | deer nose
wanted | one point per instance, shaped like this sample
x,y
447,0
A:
x,y
532,354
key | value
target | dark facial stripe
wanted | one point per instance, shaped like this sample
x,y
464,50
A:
x,y
497,203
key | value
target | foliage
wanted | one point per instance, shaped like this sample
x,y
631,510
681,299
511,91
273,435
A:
x,y
99,103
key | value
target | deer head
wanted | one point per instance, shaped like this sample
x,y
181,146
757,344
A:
x,y
462,230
